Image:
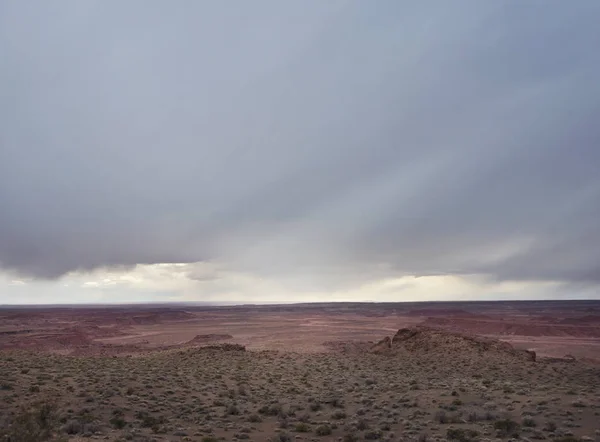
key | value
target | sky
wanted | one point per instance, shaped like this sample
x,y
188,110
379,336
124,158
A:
x,y
269,151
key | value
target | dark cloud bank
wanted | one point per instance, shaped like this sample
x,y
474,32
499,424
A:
x,y
302,138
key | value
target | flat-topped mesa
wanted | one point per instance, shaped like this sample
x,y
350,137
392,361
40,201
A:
x,y
423,340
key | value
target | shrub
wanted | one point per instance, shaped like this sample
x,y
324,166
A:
x,y
270,410
233,410
323,430
283,437
254,418
118,422
441,417
506,428
373,435
315,406
304,417
149,421
447,418
529,422
301,427
73,427
337,403
362,425
462,434
578,404
338,415
34,424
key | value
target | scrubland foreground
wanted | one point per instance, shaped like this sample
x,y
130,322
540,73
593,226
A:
x,y
425,386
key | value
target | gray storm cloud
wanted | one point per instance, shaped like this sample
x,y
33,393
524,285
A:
x,y
302,139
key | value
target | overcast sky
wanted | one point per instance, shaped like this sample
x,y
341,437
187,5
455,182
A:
x,y
299,150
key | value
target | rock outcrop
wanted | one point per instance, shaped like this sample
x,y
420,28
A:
x,y
383,346
423,340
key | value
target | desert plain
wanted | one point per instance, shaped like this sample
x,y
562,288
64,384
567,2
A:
x,y
456,371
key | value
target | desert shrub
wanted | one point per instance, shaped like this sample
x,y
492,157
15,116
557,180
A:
x,y
209,439
529,422
362,425
373,435
473,417
35,424
441,417
447,418
302,427
489,416
315,406
323,430
462,434
233,410
283,437
337,403
550,426
149,421
73,426
305,417
339,414
254,418
349,437
506,428
117,422
270,410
